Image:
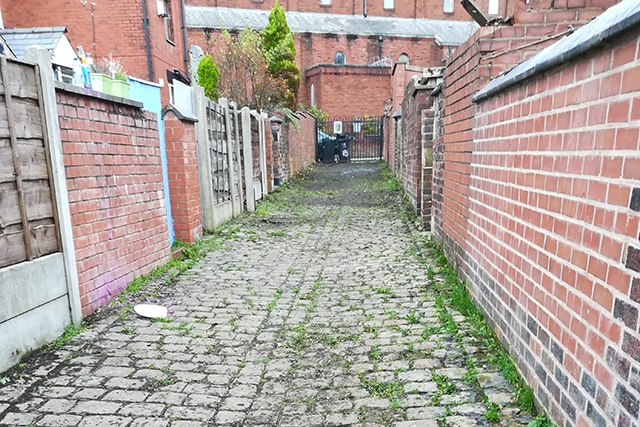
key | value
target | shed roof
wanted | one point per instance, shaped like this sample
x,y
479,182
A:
x,y
19,39
445,32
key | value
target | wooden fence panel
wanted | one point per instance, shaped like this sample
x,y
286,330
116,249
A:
x,y
28,220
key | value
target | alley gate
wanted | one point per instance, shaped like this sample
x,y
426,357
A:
x,y
365,136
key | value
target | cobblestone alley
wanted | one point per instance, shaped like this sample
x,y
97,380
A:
x,y
313,312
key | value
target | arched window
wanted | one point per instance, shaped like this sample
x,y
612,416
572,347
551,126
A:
x,y
313,95
339,58
404,59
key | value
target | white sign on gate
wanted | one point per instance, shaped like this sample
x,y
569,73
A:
x,y
337,127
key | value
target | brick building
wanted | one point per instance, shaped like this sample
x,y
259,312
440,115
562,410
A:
x,y
339,49
344,57
153,52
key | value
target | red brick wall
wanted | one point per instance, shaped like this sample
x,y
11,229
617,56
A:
x,y
461,83
437,182
302,143
348,91
184,187
400,77
412,106
489,52
116,197
118,31
255,148
432,9
313,49
553,232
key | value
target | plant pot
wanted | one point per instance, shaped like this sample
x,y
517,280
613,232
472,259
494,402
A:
x,y
101,82
120,88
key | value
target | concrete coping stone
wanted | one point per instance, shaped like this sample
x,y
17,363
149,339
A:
x,y
67,87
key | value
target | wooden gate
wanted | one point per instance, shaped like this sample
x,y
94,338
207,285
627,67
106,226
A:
x,y
34,278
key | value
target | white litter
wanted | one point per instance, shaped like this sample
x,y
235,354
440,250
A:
x,y
151,311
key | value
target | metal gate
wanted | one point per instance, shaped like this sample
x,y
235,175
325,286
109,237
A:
x,y
365,136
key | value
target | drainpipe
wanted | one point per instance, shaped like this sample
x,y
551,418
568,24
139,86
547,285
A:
x,y
145,24
380,47
184,43
364,8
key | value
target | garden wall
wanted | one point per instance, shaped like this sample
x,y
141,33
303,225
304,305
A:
x,y
536,197
302,142
116,195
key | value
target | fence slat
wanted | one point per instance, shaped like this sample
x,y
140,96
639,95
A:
x,y
16,158
224,106
248,162
238,144
43,120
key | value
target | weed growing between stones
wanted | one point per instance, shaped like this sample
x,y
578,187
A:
x,y
274,301
69,332
390,390
451,292
460,300
456,295
540,421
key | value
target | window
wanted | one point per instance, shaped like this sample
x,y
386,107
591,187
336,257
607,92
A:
x,y
325,2
339,58
404,59
313,95
388,4
168,29
493,7
448,6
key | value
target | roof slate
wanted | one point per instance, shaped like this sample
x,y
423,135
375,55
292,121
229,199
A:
x,y
19,39
445,32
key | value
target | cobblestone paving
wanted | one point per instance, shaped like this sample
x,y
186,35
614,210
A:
x,y
312,314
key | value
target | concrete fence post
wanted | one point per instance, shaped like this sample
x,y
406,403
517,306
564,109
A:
x,y
233,110
43,59
263,152
204,160
247,158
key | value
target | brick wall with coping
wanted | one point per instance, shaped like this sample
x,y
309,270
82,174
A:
x,y
437,167
116,194
280,152
401,75
348,91
302,142
534,202
427,124
553,232
489,52
414,102
184,186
